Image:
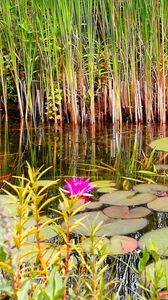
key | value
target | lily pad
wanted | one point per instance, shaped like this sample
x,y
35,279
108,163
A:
x,y
123,212
150,188
105,190
117,245
159,237
94,205
89,205
122,227
99,244
46,233
120,245
10,209
153,271
159,204
30,251
84,226
4,199
111,198
110,227
103,183
160,144
77,204
127,198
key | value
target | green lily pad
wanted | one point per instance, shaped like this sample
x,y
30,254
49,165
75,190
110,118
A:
x,y
46,233
122,227
30,250
4,199
153,271
107,189
103,183
10,209
123,212
89,205
160,144
119,245
126,198
115,196
159,204
84,226
150,188
159,237
109,227
99,244
77,204
94,204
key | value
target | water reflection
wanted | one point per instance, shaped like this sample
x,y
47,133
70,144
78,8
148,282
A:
x,y
75,150
79,151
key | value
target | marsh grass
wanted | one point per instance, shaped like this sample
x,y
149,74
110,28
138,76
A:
x,y
85,60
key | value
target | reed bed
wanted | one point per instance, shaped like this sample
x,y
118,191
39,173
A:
x,y
85,61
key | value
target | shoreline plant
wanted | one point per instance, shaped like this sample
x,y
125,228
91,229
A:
x,y
84,61
34,267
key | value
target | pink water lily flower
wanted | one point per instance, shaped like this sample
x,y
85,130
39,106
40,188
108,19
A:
x,y
79,187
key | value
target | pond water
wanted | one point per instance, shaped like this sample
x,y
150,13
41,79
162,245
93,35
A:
x,y
100,152
76,151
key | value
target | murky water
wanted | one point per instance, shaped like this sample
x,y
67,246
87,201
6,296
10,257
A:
x,y
100,152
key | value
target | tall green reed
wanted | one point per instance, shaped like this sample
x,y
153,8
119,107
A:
x,y
83,60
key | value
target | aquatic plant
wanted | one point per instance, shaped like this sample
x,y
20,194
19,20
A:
x,y
85,60
27,254
79,188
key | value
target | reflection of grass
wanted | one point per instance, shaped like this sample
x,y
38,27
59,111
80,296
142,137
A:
x,y
99,153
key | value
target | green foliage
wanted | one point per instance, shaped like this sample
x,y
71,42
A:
x,y
32,266
99,54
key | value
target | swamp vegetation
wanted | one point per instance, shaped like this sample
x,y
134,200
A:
x,y
94,225
82,61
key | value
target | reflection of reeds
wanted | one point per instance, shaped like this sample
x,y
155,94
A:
x,y
84,60
93,151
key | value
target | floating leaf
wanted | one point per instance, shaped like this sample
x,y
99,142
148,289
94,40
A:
x,y
10,209
113,227
120,245
153,271
160,144
77,204
126,198
107,189
103,183
159,204
115,196
94,205
29,252
159,237
122,227
150,188
117,245
46,233
123,212
89,218
6,199
99,244
90,205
